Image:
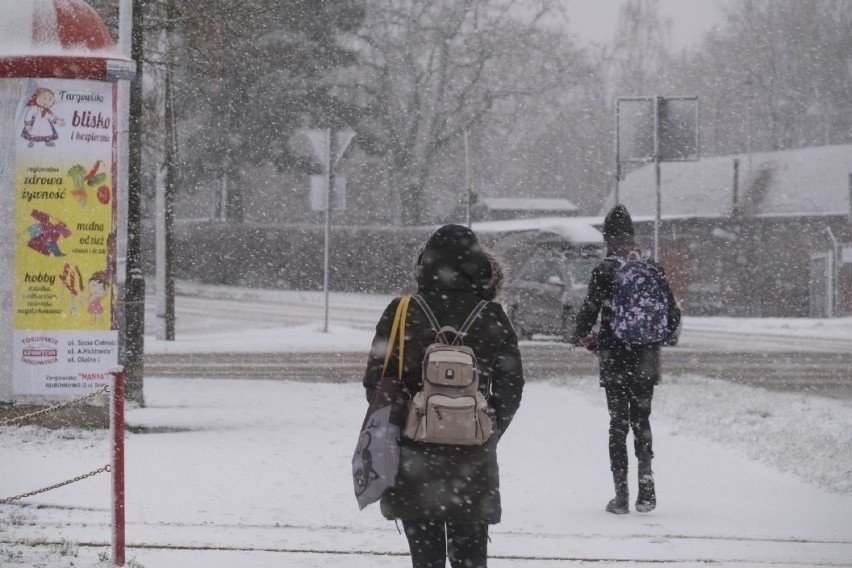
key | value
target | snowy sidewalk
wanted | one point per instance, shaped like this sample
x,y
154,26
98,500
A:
x,y
256,474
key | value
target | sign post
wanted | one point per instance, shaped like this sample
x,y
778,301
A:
x,y
328,191
655,129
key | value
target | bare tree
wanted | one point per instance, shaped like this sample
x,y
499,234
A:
x,y
245,74
641,49
432,70
557,144
776,75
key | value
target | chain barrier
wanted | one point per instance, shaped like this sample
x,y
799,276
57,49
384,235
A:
x,y
58,485
24,417
80,398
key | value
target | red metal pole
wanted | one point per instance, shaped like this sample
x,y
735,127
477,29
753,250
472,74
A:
x,y
117,430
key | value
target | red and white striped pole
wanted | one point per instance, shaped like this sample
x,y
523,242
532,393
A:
x,y
117,467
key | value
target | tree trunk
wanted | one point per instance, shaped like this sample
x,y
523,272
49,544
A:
x,y
233,201
411,203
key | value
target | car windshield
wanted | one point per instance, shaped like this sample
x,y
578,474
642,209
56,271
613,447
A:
x,y
544,270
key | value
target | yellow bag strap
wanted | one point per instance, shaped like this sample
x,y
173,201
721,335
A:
x,y
405,300
398,327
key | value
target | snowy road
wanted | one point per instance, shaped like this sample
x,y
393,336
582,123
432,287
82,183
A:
x,y
810,355
199,308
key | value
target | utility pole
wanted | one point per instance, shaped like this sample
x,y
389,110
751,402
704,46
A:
x,y
165,202
329,180
749,85
467,193
657,175
134,296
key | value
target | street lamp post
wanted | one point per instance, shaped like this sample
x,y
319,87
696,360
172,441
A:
x,y
749,95
467,216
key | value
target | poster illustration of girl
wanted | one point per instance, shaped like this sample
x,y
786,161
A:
x,y
39,120
98,285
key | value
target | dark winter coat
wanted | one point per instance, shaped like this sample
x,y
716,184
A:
x,y
619,361
444,482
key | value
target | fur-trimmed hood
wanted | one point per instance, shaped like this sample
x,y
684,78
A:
x,y
452,259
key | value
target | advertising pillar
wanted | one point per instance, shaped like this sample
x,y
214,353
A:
x,y
59,202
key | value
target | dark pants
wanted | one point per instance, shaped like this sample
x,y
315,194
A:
x,y
431,542
629,408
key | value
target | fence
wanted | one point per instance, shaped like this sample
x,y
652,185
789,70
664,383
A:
x,y
115,467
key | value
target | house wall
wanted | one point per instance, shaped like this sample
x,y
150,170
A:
x,y
755,267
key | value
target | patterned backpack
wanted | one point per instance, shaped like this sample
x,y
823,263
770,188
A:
x,y
450,408
640,302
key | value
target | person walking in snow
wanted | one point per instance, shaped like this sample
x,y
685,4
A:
x,y
447,495
628,371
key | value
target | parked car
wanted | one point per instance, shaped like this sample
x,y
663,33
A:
x,y
548,291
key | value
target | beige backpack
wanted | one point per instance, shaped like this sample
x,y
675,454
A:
x,y
450,408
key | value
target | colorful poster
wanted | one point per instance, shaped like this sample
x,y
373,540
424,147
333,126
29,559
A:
x,y
65,336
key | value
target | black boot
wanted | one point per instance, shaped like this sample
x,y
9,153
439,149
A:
x,y
620,504
647,499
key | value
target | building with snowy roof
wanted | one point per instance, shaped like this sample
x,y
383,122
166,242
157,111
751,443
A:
x,y
749,234
508,208
503,208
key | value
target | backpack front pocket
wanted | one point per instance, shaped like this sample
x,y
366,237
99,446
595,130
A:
x,y
448,420
451,420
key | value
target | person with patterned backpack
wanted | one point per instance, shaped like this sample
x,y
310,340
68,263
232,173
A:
x,y
638,312
447,488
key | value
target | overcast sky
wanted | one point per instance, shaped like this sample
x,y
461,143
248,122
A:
x,y
596,20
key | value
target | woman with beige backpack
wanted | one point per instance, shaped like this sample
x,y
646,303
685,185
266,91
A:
x,y
446,494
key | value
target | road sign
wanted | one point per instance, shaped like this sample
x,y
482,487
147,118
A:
x,y
672,121
319,192
342,138
635,124
678,124
320,143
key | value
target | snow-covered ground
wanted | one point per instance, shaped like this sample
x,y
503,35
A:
x,y
225,473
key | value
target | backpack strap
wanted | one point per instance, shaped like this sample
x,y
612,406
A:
x,y
433,321
441,331
485,388
470,319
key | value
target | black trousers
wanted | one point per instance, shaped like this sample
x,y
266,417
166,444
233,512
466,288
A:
x,y
431,542
629,406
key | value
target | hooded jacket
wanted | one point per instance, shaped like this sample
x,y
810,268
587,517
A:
x,y
446,482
